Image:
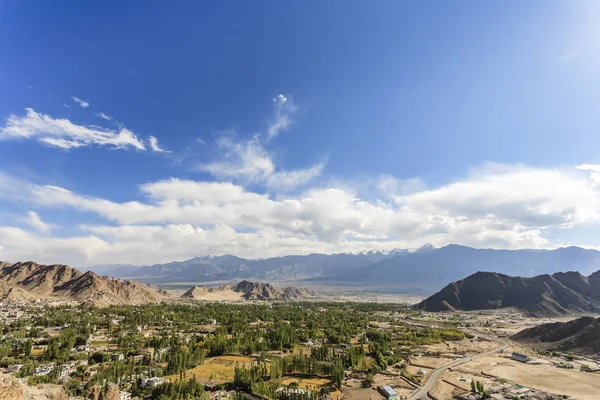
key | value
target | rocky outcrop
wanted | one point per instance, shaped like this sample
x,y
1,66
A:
x,y
252,291
94,393
10,388
108,392
266,291
544,295
111,392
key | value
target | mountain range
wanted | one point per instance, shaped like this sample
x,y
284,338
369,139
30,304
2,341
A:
x,y
32,281
581,335
544,295
29,280
425,270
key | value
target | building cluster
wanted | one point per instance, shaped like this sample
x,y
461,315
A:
x,y
502,389
43,369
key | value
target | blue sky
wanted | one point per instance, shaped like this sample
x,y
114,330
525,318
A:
x,y
295,127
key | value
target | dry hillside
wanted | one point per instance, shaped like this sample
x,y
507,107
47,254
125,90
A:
x,y
29,280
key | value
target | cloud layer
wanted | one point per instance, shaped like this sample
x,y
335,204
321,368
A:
x,y
501,206
248,205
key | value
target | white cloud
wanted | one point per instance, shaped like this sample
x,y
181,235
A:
x,y
20,245
104,116
250,163
34,220
64,134
82,103
284,111
288,180
247,161
494,206
154,145
589,167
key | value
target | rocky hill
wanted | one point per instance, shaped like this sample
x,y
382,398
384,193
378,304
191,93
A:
x,y
580,335
197,292
266,291
29,280
544,295
249,291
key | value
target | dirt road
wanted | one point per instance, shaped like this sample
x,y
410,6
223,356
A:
x,y
421,393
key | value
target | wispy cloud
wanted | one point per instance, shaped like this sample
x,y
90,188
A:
x,y
82,103
34,220
288,180
154,145
248,162
569,55
103,116
285,109
64,134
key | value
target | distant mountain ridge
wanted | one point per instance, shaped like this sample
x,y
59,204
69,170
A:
x,y
543,295
426,269
29,280
252,291
581,335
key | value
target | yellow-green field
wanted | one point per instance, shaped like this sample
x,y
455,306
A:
x,y
221,369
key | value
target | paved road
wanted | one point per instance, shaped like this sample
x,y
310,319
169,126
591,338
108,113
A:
x,y
432,378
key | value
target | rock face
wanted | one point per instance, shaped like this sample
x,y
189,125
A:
x,y
111,392
544,295
10,388
252,291
27,280
580,335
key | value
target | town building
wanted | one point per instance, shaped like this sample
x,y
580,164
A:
x,y
152,382
388,392
519,357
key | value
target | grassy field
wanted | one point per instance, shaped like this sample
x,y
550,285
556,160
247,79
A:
x,y
37,352
307,381
221,369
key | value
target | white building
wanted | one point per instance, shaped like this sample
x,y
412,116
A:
x,y
152,382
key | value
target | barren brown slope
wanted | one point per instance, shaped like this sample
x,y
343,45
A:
x,y
249,291
196,292
38,278
64,282
544,295
266,291
14,293
581,335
